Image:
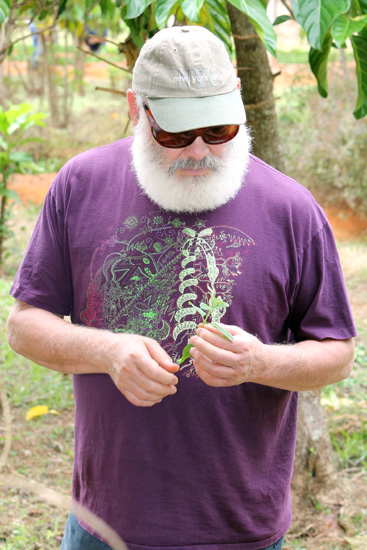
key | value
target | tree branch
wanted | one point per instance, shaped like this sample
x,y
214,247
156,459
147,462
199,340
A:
x,y
91,8
32,34
285,3
260,104
248,37
11,20
104,60
111,90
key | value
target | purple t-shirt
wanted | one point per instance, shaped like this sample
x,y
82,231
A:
x,y
208,468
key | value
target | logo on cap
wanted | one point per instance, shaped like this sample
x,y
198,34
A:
x,y
198,77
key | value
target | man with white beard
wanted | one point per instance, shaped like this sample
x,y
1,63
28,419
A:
x,y
137,241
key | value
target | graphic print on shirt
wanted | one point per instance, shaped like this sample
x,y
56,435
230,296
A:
x,y
144,276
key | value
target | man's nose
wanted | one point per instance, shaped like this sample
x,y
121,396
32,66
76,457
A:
x,y
198,149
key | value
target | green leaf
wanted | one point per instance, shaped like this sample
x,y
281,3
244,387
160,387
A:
x,y
318,62
107,8
4,123
205,306
10,194
4,10
185,353
136,8
280,19
18,111
198,310
359,6
317,16
343,27
30,140
212,290
191,9
255,10
224,331
359,43
220,303
217,21
163,10
20,156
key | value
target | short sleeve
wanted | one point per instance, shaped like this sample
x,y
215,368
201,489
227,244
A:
x,y
43,279
321,308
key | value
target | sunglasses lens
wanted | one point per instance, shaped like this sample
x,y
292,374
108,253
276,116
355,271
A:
x,y
212,136
173,141
220,134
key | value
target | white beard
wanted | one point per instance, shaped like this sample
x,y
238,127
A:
x,y
192,193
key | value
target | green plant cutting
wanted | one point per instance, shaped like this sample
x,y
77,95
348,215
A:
x,y
205,311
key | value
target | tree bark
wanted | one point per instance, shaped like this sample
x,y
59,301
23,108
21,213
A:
x,y
257,89
314,469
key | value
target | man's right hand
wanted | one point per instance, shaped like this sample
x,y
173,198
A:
x,y
141,369
139,366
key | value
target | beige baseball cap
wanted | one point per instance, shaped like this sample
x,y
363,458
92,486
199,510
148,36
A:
x,y
187,77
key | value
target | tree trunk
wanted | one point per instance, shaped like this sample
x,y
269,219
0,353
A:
x,y
79,65
257,89
314,472
313,460
51,80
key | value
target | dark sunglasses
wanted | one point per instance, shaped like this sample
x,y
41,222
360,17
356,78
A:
x,y
212,136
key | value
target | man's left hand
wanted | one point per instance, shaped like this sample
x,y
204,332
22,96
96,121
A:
x,y
219,362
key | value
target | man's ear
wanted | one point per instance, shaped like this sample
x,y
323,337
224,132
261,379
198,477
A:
x,y
133,106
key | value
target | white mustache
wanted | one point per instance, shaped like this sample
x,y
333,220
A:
x,y
210,161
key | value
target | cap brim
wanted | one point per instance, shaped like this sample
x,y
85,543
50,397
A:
x,y
189,113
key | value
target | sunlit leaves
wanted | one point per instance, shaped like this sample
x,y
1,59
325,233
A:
x,y
191,9
163,10
359,43
4,10
344,26
318,61
217,21
256,12
134,8
317,16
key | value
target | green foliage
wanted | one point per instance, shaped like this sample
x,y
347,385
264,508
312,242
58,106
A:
x,y
14,123
359,43
345,404
330,23
28,384
333,164
205,311
317,16
4,10
256,11
319,61
208,13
